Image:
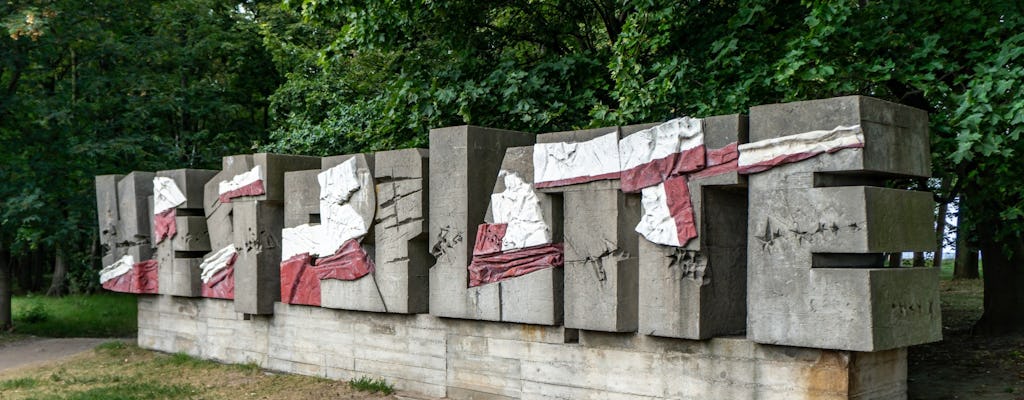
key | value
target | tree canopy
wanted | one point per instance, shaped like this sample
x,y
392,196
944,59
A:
x,y
102,87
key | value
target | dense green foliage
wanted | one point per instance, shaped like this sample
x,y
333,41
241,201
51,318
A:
x,y
90,88
103,87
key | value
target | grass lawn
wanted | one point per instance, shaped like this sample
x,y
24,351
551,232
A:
x,y
96,315
116,370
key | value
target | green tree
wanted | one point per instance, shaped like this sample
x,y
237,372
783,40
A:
x,y
390,70
98,87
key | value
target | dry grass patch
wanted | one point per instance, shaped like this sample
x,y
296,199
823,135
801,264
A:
x,y
119,371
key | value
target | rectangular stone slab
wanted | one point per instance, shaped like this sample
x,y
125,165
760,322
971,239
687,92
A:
x,y
400,230
601,260
302,198
106,211
192,234
133,191
257,236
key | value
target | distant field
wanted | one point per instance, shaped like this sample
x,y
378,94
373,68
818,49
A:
x,y
96,315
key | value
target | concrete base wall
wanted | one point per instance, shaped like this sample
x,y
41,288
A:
x,y
491,360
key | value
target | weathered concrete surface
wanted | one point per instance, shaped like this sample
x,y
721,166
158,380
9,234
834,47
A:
x,y
178,257
400,228
363,294
472,359
302,198
123,215
257,236
815,236
698,291
464,165
601,258
534,298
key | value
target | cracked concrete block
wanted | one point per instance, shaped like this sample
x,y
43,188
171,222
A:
x,y
219,226
818,229
123,215
698,291
536,297
107,214
192,235
400,230
133,191
302,198
601,259
176,255
257,236
464,164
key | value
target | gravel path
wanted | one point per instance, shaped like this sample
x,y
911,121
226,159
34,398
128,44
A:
x,y
34,350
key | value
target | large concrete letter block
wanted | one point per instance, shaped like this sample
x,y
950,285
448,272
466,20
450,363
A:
x,y
400,228
244,208
179,255
124,219
363,293
532,240
464,165
820,218
257,237
601,248
698,290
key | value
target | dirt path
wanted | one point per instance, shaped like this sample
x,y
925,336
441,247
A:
x,y
32,351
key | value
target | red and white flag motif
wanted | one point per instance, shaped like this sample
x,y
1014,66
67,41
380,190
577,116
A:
x,y
766,154
249,183
166,198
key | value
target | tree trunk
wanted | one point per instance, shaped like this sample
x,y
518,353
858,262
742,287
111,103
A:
x,y
965,265
1004,284
37,265
940,233
5,289
895,259
918,259
60,271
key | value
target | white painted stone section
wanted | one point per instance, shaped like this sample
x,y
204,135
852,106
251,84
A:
x,y
339,218
661,141
519,207
565,160
657,224
241,180
118,268
166,195
307,238
216,262
813,142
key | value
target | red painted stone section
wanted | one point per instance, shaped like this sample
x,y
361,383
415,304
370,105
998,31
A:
x,y
496,267
222,285
142,279
577,180
657,171
677,195
301,274
720,161
252,189
488,238
164,226
790,158
490,264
